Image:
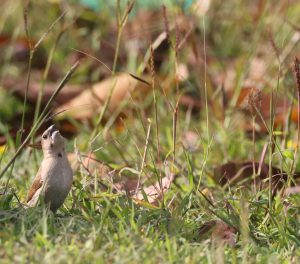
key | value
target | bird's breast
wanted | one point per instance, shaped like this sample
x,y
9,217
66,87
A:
x,y
57,173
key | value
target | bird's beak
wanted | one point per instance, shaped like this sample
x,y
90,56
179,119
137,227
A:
x,y
53,135
52,129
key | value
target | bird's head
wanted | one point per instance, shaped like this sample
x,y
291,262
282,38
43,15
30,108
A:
x,y
52,141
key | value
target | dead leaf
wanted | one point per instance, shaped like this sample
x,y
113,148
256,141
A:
x,y
200,7
291,190
182,72
20,51
90,163
233,173
225,233
219,230
127,184
18,86
250,97
156,191
89,102
190,141
256,76
190,102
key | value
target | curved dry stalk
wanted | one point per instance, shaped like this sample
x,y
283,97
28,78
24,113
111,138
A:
x,y
41,118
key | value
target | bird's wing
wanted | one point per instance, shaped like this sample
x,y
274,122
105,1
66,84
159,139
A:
x,y
37,184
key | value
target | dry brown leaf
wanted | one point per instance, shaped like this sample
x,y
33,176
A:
x,y
90,163
219,230
291,190
263,101
250,96
146,25
182,72
200,7
90,101
20,51
190,102
127,184
256,76
225,233
190,141
153,192
156,191
18,86
233,173
95,167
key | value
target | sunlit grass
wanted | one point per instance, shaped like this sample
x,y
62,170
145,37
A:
x,y
104,226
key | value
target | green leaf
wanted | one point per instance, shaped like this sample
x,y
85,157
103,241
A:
x,y
288,154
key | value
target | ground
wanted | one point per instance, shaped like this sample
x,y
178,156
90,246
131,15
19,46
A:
x,y
181,123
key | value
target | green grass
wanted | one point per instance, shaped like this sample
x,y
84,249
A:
x,y
102,226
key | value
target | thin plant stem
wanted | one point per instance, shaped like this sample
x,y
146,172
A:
x,y
45,75
156,116
271,139
297,72
120,29
32,51
144,156
175,115
121,23
41,118
253,151
154,100
19,138
205,73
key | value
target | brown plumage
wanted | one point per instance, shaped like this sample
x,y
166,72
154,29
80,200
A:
x,y
54,178
37,184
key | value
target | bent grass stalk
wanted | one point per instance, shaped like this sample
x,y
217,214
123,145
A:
x,y
41,118
144,156
31,54
121,23
297,73
45,75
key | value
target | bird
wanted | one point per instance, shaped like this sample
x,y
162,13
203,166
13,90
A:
x,y
54,178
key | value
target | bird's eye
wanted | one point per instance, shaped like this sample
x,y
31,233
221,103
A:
x,y
44,136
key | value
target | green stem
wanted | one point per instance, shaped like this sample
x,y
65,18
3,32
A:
x,y
41,118
20,132
45,75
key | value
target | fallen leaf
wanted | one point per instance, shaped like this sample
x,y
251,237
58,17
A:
x,y
190,141
219,230
87,104
225,233
255,102
90,163
257,70
200,7
190,102
122,184
156,191
233,173
291,190
182,72
18,87
21,51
